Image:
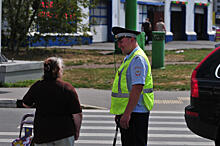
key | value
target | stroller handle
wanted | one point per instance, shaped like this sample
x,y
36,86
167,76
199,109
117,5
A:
x,y
26,116
25,122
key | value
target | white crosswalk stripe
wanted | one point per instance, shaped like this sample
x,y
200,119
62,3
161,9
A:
x,y
155,122
112,134
152,117
166,128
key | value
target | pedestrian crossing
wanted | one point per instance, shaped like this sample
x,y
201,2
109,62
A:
x,y
166,128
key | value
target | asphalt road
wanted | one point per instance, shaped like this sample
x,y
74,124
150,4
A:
x,y
167,124
166,128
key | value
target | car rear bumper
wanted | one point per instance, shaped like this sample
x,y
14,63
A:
x,y
197,126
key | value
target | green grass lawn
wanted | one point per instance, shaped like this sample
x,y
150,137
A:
x,y
173,77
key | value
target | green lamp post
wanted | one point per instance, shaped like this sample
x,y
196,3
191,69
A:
x,y
131,14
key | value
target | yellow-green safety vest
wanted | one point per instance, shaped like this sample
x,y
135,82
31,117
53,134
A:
x,y
120,93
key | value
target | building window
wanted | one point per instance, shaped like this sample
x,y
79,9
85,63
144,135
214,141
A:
x,y
218,8
98,15
142,15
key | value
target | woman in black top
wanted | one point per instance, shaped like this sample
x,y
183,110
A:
x,y
58,114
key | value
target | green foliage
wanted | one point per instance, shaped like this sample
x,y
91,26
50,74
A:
x,y
25,17
26,83
18,16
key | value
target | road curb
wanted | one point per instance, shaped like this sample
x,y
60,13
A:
x,y
85,106
8,103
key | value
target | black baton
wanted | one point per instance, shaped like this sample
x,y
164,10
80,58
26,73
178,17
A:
x,y
116,131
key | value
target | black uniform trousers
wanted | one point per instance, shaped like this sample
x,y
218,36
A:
x,y
136,134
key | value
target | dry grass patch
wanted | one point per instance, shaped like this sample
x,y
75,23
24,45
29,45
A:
x,y
101,78
174,58
175,77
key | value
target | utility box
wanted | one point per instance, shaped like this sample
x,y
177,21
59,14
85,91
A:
x,y
158,46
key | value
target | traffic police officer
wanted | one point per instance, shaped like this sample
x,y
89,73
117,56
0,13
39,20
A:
x,y
132,92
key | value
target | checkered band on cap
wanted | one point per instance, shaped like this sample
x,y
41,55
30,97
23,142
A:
x,y
125,35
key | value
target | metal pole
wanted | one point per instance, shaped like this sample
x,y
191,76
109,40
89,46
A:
x,y
2,57
131,14
0,26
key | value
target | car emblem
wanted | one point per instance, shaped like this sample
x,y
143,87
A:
x,y
217,72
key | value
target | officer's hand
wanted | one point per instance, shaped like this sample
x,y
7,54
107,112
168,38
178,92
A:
x,y
124,121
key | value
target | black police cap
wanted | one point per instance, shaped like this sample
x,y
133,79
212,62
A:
x,y
120,32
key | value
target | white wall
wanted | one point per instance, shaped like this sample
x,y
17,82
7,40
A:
x,y
101,33
210,19
85,20
190,15
167,19
118,13
115,12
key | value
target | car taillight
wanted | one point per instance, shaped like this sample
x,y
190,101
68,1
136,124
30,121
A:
x,y
194,114
194,80
194,85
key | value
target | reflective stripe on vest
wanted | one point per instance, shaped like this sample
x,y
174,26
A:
x,y
120,93
126,95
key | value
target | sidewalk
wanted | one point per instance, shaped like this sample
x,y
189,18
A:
x,y
101,99
189,44
174,45
94,98
10,96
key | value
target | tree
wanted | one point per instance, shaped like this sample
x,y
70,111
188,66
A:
x,y
23,17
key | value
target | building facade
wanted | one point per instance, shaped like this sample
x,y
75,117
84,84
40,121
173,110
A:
x,y
184,19
189,20
216,12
